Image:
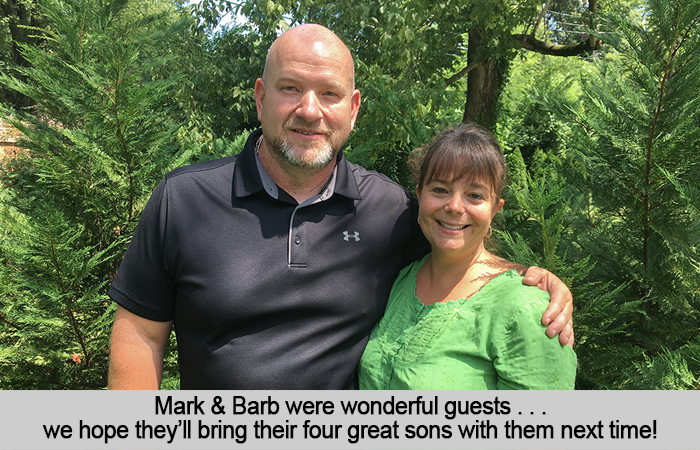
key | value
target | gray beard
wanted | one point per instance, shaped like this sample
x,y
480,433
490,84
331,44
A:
x,y
283,150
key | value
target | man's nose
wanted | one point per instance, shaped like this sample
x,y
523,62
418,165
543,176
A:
x,y
309,107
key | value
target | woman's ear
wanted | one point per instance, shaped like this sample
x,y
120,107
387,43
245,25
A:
x,y
417,193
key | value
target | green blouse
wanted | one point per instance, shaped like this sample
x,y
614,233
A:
x,y
492,340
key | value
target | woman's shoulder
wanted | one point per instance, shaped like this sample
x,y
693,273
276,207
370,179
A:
x,y
510,298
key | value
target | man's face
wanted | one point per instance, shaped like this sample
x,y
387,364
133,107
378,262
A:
x,y
306,102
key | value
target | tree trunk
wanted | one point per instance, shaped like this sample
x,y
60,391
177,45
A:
x,y
483,83
20,14
485,75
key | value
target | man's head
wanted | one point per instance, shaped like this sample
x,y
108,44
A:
x,y
306,99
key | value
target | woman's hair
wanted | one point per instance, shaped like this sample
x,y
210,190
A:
x,y
462,151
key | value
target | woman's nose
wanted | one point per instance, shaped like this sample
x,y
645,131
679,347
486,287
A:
x,y
455,204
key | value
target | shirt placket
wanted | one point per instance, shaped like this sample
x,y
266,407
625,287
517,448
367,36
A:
x,y
297,240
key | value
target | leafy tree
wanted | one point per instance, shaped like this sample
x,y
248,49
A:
x,y
99,142
414,56
215,97
20,24
517,171
414,39
523,121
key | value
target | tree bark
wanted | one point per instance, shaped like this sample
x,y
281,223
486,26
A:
x,y
19,15
485,76
483,83
528,42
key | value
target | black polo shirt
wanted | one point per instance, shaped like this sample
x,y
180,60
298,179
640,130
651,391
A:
x,y
266,293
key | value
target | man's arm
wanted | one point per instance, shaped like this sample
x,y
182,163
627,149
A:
x,y
137,350
558,316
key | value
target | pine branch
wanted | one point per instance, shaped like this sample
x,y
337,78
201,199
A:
x,y
13,325
56,265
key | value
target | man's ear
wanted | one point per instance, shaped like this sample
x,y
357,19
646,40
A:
x,y
355,101
259,93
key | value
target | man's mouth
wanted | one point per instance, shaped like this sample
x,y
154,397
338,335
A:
x,y
452,227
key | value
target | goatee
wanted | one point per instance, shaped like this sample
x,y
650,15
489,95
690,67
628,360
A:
x,y
315,156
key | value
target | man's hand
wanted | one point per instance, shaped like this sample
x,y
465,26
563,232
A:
x,y
558,316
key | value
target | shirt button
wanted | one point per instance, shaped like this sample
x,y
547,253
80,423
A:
x,y
297,240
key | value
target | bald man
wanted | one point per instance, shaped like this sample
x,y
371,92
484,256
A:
x,y
273,265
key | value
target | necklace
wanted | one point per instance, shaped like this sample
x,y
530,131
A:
x,y
257,144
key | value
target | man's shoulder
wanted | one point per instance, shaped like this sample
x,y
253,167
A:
x,y
375,181
190,182
212,167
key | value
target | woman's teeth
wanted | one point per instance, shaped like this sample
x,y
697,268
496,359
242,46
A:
x,y
451,227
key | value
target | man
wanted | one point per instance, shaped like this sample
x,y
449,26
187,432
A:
x,y
274,264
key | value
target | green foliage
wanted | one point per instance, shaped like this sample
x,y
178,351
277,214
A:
x,y
527,124
395,120
545,234
517,171
18,20
676,369
99,141
638,160
644,136
407,53
215,97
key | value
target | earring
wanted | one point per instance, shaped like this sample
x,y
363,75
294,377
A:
x,y
488,233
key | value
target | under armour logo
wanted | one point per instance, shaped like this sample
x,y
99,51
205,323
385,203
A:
x,y
355,236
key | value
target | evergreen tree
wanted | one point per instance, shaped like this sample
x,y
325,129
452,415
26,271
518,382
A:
x,y
642,121
99,143
517,170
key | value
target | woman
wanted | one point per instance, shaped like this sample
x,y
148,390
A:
x,y
461,318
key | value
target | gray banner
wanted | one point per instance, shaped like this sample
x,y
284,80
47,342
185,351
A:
x,y
339,420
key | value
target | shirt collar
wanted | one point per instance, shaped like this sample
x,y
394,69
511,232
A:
x,y
267,181
249,176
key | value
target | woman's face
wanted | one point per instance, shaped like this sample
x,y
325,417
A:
x,y
455,215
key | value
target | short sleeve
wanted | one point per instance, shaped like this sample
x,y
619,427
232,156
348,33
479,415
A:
x,y
524,356
142,284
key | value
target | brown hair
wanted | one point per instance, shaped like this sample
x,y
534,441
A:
x,y
462,151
